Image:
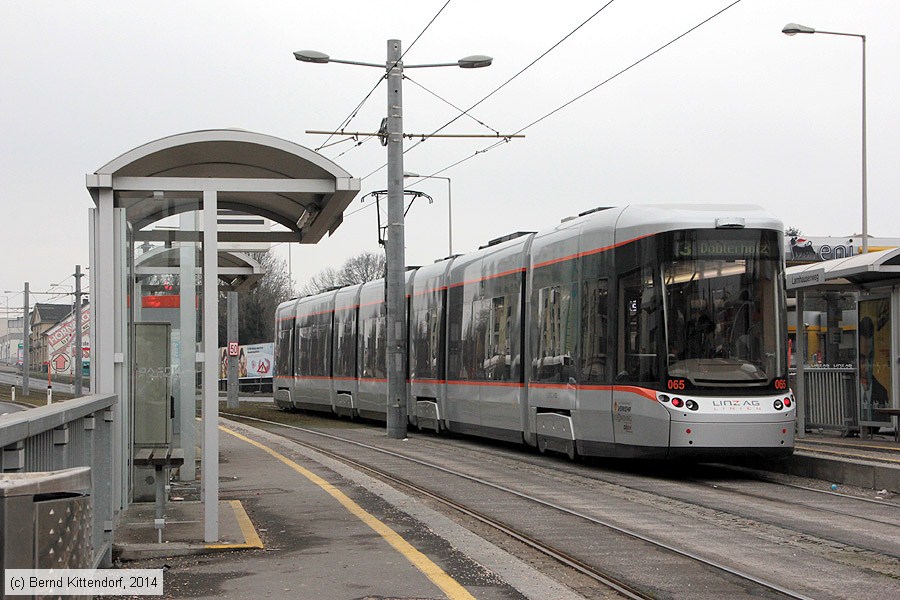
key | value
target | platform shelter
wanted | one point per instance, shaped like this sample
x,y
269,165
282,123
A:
x,y
185,181
848,346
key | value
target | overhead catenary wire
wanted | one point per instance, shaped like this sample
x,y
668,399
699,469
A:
x,y
592,89
502,85
573,100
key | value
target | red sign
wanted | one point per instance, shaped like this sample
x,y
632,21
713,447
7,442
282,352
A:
x,y
60,362
232,348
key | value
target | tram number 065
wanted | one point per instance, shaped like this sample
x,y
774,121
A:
x,y
781,384
675,384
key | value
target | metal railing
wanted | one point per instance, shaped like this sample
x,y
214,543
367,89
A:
x,y
74,433
830,399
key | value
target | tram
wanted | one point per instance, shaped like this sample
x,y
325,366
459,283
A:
x,y
637,331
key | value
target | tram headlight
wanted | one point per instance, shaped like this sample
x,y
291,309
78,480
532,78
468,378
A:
x,y
778,405
692,405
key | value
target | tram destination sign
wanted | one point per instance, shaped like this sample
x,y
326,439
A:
x,y
723,249
805,279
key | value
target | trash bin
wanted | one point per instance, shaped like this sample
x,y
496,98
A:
x,y
45,520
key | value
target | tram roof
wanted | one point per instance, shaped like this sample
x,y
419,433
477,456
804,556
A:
x,y
875,269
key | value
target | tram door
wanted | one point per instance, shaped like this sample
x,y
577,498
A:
x,y
595,398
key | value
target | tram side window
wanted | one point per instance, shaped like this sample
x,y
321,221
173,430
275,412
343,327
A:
x,y
425,345
454,330
552,362
497,346
594,330
344,347
638,323
372,348
303,350
317,356
283,352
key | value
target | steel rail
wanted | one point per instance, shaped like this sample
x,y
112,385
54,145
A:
x,y
633,534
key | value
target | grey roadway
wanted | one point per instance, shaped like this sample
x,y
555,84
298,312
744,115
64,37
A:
x,y
39,383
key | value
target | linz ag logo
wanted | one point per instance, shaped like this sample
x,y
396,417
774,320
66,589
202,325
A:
x,y
735,405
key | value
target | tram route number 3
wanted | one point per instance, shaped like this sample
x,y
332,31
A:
x,y
675,384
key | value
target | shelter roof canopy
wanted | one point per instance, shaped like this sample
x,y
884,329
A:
x,y
251,173
868,270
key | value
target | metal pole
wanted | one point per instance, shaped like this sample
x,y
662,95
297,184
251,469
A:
x,y
395,250
865,208
26,347
79,352
232,330
449,218
800,384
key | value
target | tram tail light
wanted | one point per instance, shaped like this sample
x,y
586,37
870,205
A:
x,y
787,402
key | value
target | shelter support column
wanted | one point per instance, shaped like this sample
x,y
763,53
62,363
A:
x,y
210,368
103,277
800,354
187,363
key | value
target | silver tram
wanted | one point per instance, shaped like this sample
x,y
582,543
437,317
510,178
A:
x,y
638,331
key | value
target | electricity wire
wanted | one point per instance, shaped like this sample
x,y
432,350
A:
x,y
504,84
594,88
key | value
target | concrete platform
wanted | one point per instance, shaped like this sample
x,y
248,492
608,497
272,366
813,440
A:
x,y
136,537
871,462
326,532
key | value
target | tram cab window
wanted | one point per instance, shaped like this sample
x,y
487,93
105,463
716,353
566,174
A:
x,y
723,300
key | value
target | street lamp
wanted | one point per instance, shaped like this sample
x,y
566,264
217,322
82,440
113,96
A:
x,y
395,244
449,206
794,29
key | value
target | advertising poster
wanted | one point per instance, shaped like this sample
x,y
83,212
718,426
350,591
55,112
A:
x,y
255,361
874,344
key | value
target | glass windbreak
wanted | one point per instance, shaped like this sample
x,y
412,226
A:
x,y
724,307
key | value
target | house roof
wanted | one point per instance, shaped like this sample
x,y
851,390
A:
x,y
50,313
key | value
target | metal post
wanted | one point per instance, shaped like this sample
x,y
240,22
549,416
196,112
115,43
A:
x,y
210,368
395,250
79,353
800,391
232,326
865,208
26,347
449,218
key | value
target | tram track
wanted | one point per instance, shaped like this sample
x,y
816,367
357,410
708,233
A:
x,y
596,573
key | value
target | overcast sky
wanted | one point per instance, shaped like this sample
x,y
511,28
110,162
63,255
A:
x,y
733,112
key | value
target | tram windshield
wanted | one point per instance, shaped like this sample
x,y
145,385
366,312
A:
x,y
724,307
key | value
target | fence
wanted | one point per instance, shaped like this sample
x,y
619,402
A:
x,y
830,398
74,433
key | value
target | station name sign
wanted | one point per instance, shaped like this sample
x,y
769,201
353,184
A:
x,y
805,279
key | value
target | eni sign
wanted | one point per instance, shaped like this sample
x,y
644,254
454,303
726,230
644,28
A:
x,y
805,279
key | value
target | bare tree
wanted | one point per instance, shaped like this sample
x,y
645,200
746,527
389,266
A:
x,y
793,232
367,266
325,279
256,308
